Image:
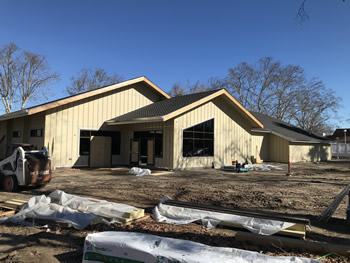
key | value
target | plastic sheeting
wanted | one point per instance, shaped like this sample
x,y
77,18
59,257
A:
x,y
181,215
267,167
41,207
95,206
144,248
139,171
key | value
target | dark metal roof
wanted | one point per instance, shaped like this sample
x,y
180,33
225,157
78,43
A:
x,y
163,107
339,134
288,131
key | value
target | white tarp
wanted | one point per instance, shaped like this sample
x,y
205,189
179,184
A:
x,y
40,207
95,206
144,248
139,171
180,215
267,167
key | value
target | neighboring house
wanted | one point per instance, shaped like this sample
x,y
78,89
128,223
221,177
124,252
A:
x,y
339,135
136,123
282,141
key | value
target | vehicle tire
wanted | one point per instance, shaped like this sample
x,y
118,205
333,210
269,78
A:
x,y
9,183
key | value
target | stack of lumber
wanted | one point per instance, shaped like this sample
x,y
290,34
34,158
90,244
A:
x,y
13,204
297,230
130,216
9,207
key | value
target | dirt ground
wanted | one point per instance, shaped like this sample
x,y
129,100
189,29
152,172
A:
x,y
306,194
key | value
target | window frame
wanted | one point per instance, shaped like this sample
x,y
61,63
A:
x,y
204,138
106,133
36,135
19,134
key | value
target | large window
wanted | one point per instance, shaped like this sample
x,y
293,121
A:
x,y
85,141
157,136
198,140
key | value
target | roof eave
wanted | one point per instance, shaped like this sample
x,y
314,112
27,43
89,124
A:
x,y
14,115
134,121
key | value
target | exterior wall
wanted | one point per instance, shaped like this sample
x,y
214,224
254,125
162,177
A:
x,y
232,138
63,124
23,125
278,149
3,132
309,152
168,131
260,146
36,121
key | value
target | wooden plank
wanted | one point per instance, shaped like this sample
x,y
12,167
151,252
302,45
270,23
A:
x,y
284,242
138,220
291,231
134,214
242,212
328,212
6,207
7,213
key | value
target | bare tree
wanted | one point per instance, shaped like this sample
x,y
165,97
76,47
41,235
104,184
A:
x,y
314,105
22,76
302,15
88,79
34,75
282,92
8,75
177,90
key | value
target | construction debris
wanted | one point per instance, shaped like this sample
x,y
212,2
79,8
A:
x,y
40,207
139,171
75,210
137,247
120,213
267,167
13,204
177,212
328,212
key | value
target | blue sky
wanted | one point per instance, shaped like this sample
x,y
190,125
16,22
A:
x,y
180,41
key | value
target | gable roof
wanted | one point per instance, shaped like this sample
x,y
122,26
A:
x,y
286,130
167,109
80,96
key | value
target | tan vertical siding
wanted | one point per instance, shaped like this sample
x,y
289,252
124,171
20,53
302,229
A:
x,y
65,122
279,149
260,146
232,138
310,152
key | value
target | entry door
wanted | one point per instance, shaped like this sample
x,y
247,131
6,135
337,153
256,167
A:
x,y
134,151
100,151
150,152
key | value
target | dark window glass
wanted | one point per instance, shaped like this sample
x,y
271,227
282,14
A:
x,y
16,134
188,135
157,136
36,133
116,144
198,140
84,146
